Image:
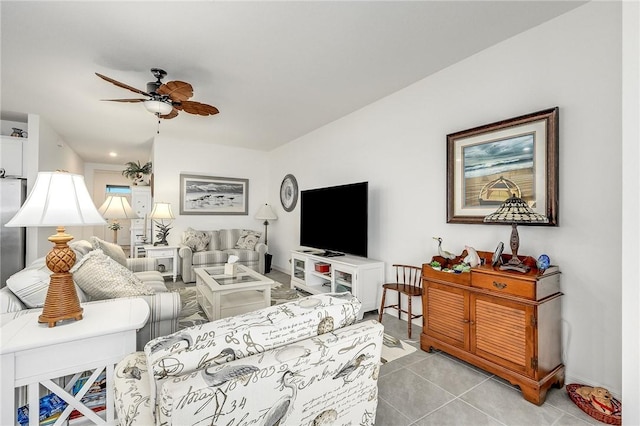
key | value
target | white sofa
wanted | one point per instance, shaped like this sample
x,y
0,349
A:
x,y
304,362
27,290
201,249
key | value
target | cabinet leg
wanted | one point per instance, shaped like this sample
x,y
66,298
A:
x,y
538,394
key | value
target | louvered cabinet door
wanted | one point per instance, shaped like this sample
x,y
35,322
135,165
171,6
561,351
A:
x,y
503,332
447,314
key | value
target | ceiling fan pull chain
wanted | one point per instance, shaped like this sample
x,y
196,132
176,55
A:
x,y
158,114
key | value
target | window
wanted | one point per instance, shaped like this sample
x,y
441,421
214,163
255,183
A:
x,y
118,189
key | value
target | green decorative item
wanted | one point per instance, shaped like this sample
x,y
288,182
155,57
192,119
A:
x,y
161,235
136,172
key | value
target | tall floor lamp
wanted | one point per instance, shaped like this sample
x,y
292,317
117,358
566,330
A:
x,y
59,199
266,213
116,207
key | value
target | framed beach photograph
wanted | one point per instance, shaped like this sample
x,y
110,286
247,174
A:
x,y
486,164
213,195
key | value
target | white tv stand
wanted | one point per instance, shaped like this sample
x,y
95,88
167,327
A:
x,y
361,276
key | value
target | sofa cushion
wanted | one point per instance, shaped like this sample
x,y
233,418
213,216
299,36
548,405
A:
x,y
209,258
248,239
31,284
101,277
9,302
114,251
244,256
325,380
196,240
247,334
228,238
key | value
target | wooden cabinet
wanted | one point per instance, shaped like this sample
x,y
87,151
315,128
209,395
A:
x,y
315,274
507,323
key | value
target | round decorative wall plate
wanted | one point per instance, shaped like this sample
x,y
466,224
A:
x,y
289,192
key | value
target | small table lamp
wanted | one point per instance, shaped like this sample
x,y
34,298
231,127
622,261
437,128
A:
x,y
116,207
59,199
266,213
515,211
160,212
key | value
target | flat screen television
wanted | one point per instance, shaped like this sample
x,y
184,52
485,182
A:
x,y
335,219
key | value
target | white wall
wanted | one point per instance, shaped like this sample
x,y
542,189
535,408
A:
x,y
398,145
173,157
46,151
630,211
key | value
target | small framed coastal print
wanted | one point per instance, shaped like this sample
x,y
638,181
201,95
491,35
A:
x,y
486,164
213,195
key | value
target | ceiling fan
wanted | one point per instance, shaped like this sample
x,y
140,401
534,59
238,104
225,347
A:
x,y
165,99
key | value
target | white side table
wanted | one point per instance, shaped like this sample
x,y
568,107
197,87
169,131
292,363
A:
x,y
32,354
165,252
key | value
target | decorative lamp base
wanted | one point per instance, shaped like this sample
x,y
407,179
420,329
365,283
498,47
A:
x,y
515,264
62,300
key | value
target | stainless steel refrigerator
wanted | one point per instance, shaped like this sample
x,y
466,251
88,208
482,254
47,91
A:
x,y
12,240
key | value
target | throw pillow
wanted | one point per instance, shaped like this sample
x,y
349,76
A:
x,y
248,239
196,240
114,251
9,302
80,247
101,277
31,284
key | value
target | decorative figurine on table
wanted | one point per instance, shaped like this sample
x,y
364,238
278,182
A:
x,y
443,253
472,258
543,262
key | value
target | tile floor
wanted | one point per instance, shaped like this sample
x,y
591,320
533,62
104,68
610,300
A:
x,y
437,389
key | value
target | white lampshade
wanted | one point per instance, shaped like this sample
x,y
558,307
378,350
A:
x,y
58,199
266,213
158,107
161,211
117,207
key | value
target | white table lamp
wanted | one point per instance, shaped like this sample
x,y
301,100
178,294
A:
x,y
116,207
59,199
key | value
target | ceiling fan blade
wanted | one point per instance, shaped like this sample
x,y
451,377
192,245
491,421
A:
x,y
124,86
198,108
177,90
124,100
172,114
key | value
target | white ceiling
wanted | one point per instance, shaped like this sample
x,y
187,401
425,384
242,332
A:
x,y
276,70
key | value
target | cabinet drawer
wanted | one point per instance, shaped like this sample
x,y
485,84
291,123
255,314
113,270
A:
x,y
505,285
160,253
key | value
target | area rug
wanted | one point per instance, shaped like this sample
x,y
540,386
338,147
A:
x,y
191,313
394,348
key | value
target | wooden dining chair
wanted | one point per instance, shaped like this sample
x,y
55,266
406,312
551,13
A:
x,y
408,282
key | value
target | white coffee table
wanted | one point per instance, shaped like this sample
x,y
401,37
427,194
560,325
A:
x,y
33,354
222,296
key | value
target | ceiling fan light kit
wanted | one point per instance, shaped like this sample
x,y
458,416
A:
x,y
165,99
158,107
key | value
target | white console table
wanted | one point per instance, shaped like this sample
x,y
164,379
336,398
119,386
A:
x,y
361,276
165,252
32,354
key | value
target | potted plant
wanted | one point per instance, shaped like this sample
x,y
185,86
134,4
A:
x,y
136,172
436,265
